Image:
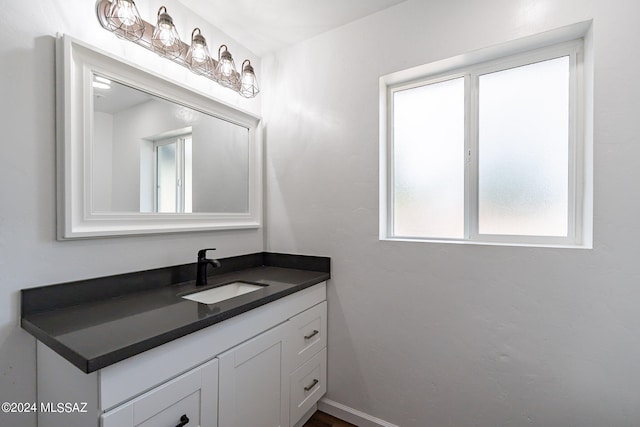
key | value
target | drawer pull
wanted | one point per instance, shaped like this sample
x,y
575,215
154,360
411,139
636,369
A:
x,y
312,385
184,420
312,334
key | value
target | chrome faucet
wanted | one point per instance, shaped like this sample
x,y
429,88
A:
x,y
203,262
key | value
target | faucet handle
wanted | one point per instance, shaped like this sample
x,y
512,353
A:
x,y
202,253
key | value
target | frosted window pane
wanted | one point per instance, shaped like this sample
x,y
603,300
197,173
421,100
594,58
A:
x,y
428,160
523,150
167,178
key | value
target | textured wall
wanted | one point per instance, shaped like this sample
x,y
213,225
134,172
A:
x,y
29,254
440,335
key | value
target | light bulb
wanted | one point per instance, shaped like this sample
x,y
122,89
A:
x,y
165,35
226,70
248,79
199,55
126,13
122,18
165,39
198,58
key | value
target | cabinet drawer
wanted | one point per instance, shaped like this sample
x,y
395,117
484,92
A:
x,y
307,385
192,396
309,334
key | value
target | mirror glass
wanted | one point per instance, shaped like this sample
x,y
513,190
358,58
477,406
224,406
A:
x,y
152,155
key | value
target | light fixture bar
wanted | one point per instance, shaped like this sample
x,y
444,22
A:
x,y
145,40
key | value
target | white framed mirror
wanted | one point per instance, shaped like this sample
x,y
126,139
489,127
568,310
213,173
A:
x,y
139,154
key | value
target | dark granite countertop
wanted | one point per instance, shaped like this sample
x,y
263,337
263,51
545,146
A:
x,y
95,323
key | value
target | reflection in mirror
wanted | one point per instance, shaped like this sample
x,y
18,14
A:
x,y
152,155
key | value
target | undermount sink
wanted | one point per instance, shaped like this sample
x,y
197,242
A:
x,y
224,292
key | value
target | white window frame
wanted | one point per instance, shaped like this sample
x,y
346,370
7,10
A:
x,y
574,49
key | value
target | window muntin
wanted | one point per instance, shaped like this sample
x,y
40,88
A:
x,y
539,202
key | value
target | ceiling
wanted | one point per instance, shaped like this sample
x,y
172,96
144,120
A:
x,y
118,98
266,26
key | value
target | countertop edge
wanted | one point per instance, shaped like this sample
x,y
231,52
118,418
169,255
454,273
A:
x,y
74,358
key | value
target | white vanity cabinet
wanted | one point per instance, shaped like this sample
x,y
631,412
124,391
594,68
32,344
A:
x,y
186,401
264,367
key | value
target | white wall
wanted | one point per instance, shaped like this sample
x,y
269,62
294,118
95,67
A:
x,y
128,128
458,335
222,167
29,254
102,161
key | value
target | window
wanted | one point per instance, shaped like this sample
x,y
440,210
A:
x,y
173,177
489,153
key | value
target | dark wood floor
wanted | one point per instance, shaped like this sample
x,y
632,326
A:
x,y
320,419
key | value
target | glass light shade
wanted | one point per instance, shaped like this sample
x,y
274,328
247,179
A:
x,y
123,19
226,69
248,82
198,58
165,39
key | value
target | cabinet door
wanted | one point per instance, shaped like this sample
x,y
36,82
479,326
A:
x,y
254,387
189,400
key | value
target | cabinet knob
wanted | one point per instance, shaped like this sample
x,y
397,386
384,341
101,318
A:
x,y
183,420
311,335
312,385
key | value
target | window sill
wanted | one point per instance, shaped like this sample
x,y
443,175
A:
x,y
489,243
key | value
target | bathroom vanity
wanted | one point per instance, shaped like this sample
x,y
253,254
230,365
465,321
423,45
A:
x,y
132,351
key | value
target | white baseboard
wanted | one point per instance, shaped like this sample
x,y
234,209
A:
x,y
306,416
351,415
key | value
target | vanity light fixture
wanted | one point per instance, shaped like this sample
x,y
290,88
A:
x,y
198,58
248,82
226,69
121,18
